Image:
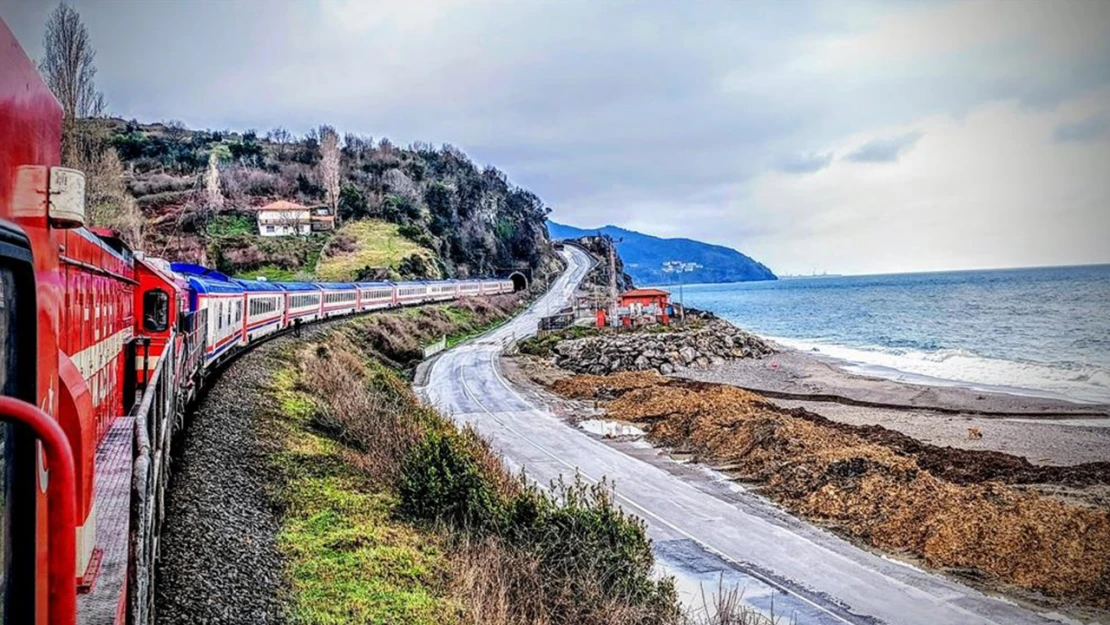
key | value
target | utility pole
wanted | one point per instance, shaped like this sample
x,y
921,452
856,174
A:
x,y
679,267
612,273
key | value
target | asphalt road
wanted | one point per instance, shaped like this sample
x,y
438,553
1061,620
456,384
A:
x,y
705,530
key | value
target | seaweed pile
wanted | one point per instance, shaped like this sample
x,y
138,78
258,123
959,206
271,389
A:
x,y
880,487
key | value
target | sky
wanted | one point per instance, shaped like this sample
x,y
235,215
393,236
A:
x,y
847,137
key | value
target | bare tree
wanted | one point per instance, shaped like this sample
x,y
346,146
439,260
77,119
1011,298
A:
x,y
69,70
109,203
176,130
212,193
281,138
329,165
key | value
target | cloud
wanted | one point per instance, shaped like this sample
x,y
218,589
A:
x,y
886,150
1089,129
641,113
805,163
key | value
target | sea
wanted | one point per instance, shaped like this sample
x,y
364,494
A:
x,y
1039,331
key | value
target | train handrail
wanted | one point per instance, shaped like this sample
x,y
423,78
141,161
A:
x,y
61,506
155,417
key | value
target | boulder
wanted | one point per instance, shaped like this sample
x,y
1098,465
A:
x,y
704,346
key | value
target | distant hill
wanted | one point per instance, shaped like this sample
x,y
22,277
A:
x,y
644,256
406,212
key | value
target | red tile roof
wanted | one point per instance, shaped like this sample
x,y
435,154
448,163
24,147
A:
x,y
644,292
282,205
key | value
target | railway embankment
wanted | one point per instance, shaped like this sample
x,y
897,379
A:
x,y
312,487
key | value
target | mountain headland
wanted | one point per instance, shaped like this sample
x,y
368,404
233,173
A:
x,y
644,256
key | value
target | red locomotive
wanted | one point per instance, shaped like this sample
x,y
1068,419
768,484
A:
x,y
100,350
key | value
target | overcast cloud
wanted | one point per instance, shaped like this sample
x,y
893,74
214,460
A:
x,y
846,137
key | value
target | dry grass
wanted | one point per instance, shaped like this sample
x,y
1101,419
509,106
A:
x,y
496,584
571,559
363,244
360,409
869,491
726,607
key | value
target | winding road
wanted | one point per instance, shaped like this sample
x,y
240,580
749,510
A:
x,y
706,531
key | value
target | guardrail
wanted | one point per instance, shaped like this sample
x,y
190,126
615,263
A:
x,y
435,348
157,417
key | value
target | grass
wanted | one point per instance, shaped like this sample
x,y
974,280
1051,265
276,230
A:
x,y
271,273
348,559
231,225
377,243
455,339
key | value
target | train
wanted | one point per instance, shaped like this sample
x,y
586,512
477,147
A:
x,y
101,347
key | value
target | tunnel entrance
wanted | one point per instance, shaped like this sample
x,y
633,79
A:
x,y
519,281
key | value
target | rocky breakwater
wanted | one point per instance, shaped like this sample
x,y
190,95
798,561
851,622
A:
x,y
706,345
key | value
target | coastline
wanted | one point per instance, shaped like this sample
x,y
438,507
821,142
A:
x,y
1044,430
792,371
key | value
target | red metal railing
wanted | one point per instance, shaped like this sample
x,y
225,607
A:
x,y
61,507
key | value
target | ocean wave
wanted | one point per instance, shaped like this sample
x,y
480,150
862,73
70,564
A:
x,y
962,367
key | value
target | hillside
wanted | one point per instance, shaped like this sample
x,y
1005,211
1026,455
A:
x,y
196,191
644,256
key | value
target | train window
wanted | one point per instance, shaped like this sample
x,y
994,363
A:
x,y
156,310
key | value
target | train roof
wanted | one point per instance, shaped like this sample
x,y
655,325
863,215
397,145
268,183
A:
x,y
370,285
207,284
337,286
159,268
189,269
296,286
257,285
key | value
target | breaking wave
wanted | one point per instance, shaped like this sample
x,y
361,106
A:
x,y
961,367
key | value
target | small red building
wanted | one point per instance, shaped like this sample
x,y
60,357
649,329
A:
x,y
645,297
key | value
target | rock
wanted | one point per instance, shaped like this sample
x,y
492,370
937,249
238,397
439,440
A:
x,y
666,369
707,345
687,354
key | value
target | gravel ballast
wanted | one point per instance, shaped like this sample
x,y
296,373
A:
x,y
219,562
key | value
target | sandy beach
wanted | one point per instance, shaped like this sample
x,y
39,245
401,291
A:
x,y
1043,430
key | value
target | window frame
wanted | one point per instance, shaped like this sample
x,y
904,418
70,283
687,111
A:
x,y
19,487
165,298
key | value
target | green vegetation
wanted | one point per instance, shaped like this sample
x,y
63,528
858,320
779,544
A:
x,y
544,345
231,225
392,515
461,219
251,255
350,560
271,273
361,249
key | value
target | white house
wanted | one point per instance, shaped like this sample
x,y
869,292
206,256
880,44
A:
x,y
283,218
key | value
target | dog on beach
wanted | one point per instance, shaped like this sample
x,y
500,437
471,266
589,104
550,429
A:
x,y
974,433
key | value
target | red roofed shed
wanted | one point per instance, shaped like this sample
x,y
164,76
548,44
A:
x,y
646,297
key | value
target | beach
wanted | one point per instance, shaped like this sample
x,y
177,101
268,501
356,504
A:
x,y
1043,430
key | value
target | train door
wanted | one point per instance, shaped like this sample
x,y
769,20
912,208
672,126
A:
x,y
18,525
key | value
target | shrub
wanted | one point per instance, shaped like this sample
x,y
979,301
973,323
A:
x,y
160,183
413,266
441,482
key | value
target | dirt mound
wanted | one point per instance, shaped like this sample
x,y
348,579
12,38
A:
x,y
606,386
943,505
